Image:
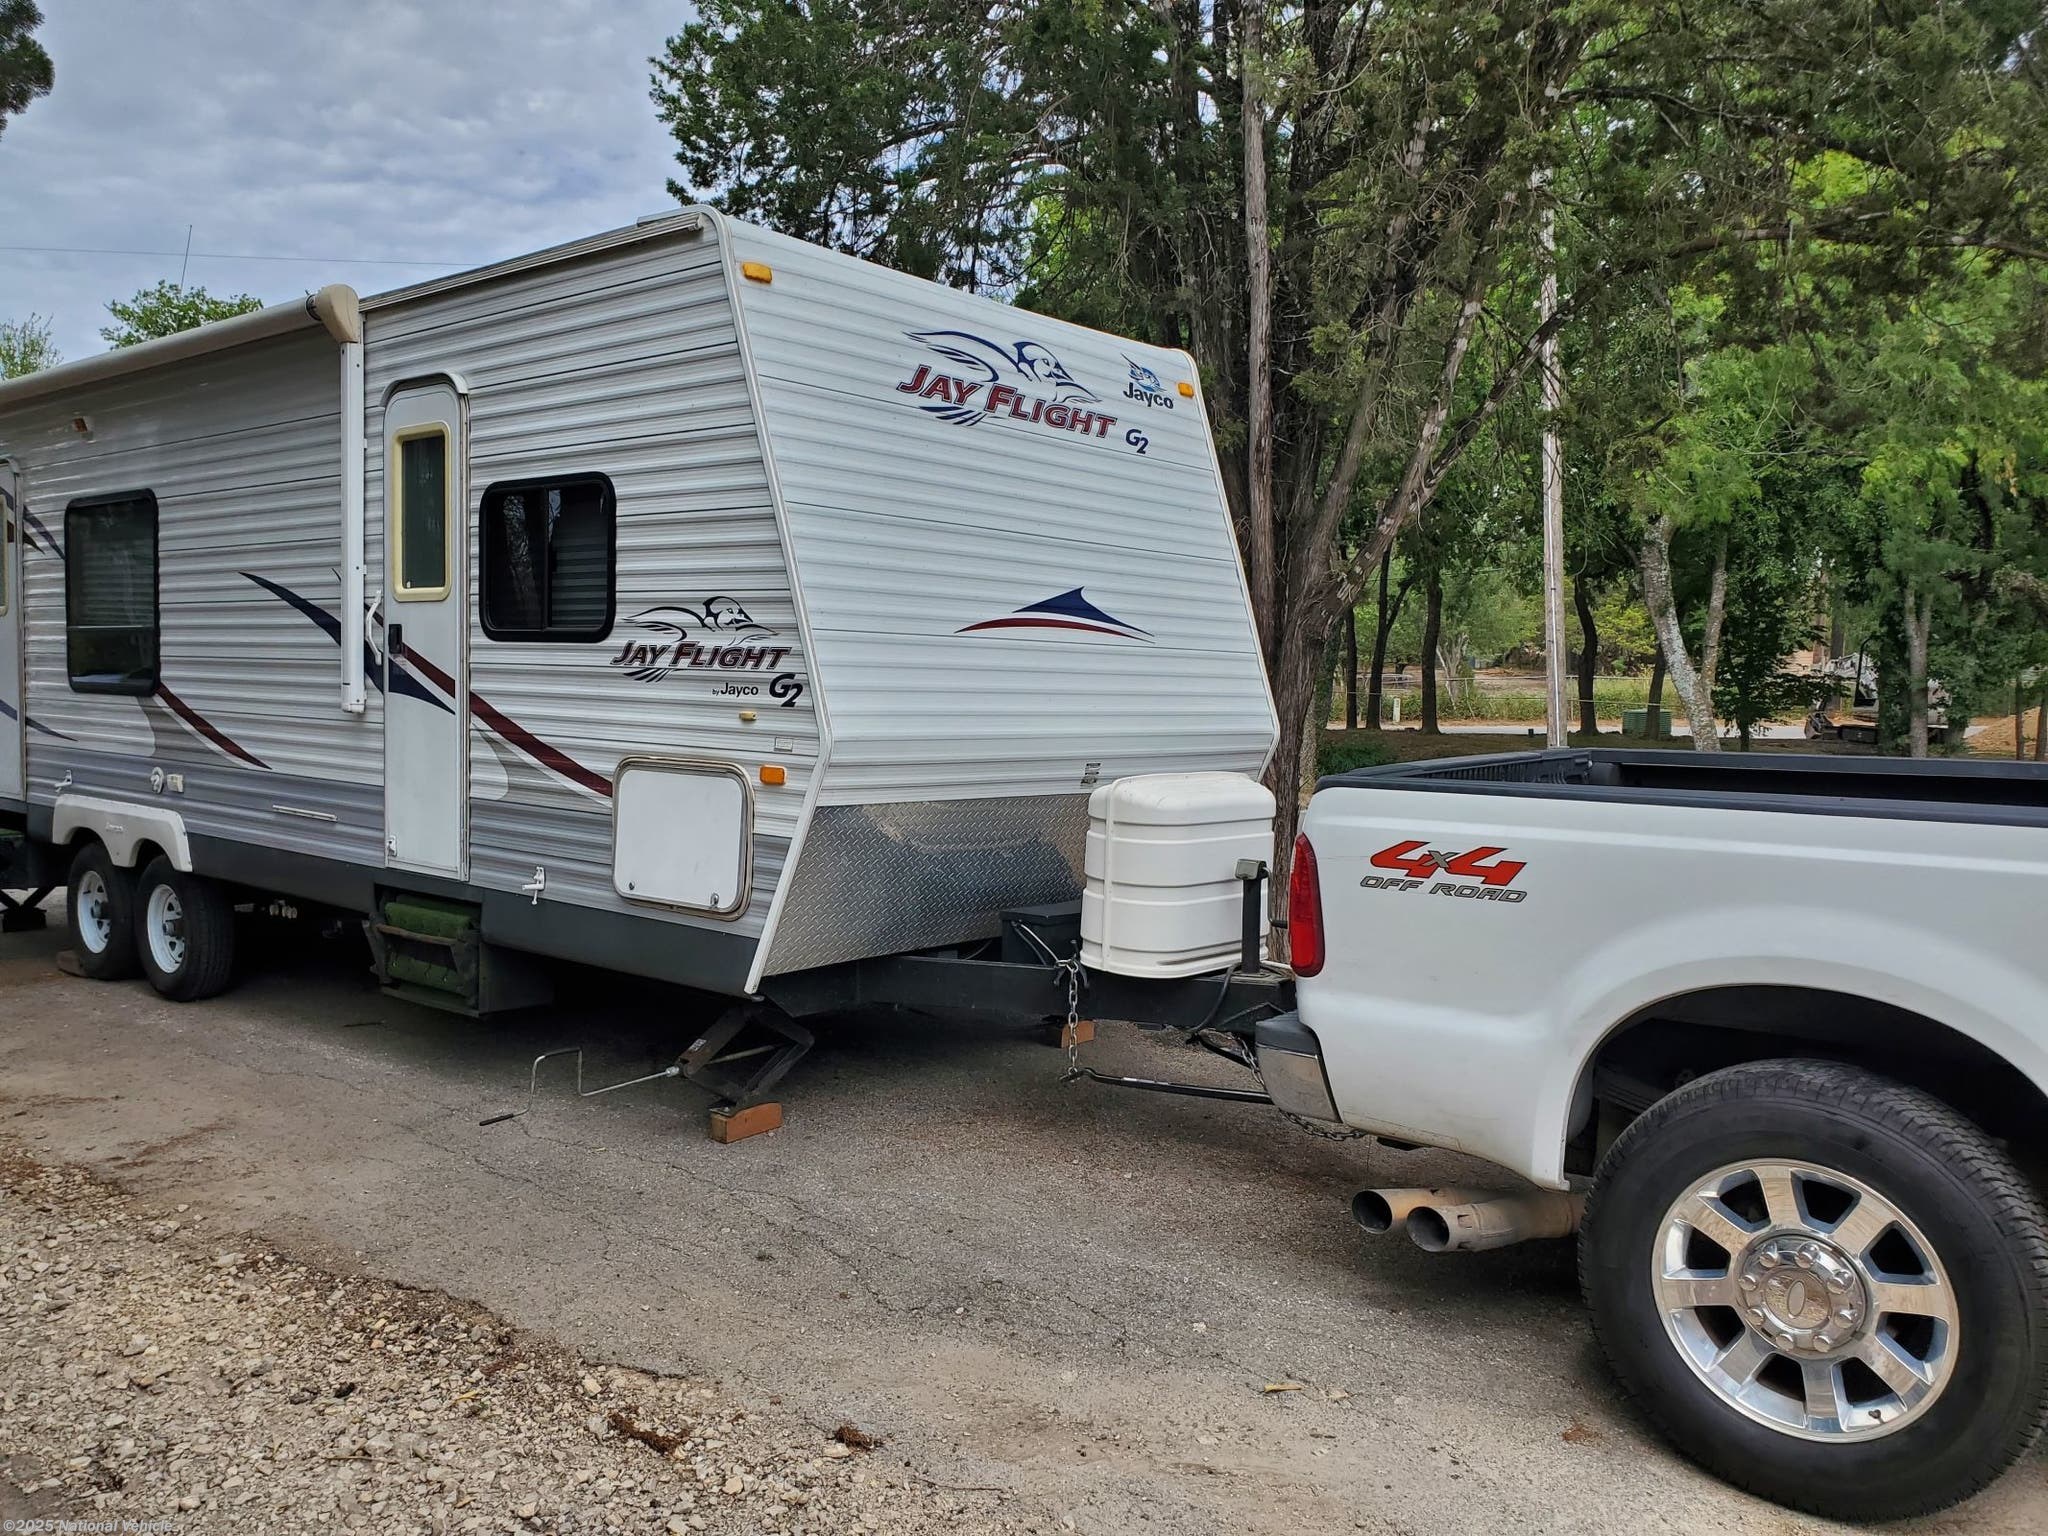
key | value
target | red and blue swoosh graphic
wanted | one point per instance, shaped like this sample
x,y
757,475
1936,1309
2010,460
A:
x,y
1069,610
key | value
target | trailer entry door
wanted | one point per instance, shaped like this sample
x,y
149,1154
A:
x,y
13,698
426,630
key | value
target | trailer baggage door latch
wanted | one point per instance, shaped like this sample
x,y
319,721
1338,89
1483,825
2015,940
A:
x,y
536,885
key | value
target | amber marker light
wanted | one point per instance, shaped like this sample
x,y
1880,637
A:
x,y
773,774
757,272
1187,390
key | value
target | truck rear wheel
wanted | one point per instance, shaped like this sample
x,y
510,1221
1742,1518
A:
x,y
185,933
1826,1287
99,907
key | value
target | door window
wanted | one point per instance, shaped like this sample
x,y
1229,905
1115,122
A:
x,y
419,555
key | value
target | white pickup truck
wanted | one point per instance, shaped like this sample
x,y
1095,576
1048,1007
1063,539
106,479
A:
x,y
1782,1022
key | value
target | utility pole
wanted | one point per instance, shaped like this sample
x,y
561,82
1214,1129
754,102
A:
x,y
1553,484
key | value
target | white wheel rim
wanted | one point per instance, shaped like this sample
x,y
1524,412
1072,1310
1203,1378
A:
x,y
1806,1300
95,920
164,922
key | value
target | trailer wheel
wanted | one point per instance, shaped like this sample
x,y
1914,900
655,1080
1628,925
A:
x,y
99,910
1826,1287
185,933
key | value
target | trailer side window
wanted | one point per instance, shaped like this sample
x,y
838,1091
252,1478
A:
x,y
420,552
550,550
112,633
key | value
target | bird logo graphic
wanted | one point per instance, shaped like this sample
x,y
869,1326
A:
x,y
988,364
717,619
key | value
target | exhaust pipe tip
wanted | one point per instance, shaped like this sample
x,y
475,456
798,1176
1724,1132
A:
x,y
1371,1209
1429,1230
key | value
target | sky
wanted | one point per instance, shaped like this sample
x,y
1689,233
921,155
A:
x,y
442,133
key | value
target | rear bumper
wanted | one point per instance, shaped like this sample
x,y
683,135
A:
x,y
1291,1064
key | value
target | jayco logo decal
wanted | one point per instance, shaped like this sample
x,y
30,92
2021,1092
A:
x,y
1145,387
717,636
1017,380
1069,610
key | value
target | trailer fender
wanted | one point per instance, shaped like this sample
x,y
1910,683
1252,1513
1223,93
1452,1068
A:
x,y
123,826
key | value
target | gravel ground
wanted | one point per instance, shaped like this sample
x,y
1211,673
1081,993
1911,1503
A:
x,y
146,1372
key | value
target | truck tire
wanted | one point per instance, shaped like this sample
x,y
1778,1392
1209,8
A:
x,y
99,911
1824,1286
184,933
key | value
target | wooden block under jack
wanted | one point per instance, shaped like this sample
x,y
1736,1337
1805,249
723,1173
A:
x,y
729,1124
1080,1032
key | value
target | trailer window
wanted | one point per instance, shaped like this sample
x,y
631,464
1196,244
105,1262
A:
x,y
112,634
549,554
419,555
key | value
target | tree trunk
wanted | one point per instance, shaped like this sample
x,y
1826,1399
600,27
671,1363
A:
x,y
1389,615
1589,659
1656,710
1375,699
1837,639
2041,729
1919,620
1432,629
1694,691
1351,669
2019,718
1717,611
1260,538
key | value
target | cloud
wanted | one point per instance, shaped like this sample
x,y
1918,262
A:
x,y
443,132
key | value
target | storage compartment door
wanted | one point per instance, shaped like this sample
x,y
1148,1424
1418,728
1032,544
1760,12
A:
x,y
682,835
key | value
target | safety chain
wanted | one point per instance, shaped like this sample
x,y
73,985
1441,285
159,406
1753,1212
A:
x,y
1302,1122
1072,967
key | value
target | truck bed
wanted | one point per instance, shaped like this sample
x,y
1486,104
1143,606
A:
x,y
1938,789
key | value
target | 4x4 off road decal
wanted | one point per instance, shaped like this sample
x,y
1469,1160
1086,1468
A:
x,y
1478,874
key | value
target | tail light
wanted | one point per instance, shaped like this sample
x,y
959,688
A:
x,y
1304,911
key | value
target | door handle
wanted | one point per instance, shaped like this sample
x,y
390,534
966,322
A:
x,y
394,640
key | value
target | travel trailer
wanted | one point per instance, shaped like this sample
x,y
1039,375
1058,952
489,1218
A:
x,y
686,600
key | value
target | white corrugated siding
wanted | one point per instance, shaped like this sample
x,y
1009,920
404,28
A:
x,y
906,529
625,363
242,450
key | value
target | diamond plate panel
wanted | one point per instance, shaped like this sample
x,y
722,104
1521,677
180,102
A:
x,y
883,879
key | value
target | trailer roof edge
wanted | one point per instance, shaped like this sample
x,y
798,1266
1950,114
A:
x,y
687,221
334,309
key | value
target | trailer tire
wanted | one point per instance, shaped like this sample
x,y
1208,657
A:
x,y
1853,1198
99,912
184,933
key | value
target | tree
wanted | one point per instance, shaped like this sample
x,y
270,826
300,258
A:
x,y
1331,205
26,347
168,308
1952,541
25,71
1769,613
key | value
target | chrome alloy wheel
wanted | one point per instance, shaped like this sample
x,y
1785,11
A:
x,y
95,914
164,923
1806,1300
